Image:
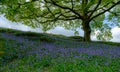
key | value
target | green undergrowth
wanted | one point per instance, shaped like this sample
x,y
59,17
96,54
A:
x,y
10,62
83,63
32,63
11,50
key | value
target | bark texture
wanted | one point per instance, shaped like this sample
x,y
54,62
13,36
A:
x,y
87,31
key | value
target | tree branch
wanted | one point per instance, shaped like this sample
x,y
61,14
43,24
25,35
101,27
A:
x,y
73,11
72,4
99,8
99,2
115,13
105,10
50,11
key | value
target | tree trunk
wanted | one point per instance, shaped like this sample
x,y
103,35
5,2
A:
x,y
87,31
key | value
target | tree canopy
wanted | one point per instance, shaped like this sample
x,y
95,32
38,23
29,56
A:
x,y
71,14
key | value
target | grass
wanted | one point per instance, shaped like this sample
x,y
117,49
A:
x,y
77,38
108,43
9,50
49,37
15,57
7,30
85,63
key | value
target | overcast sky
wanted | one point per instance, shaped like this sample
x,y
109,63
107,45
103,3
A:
x,y
58,30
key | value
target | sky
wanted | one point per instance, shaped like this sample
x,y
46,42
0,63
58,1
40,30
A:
x,y
58,30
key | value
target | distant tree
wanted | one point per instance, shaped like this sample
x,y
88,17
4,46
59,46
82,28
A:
x,y
71,14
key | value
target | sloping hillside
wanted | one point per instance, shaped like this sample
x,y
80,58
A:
x,y
33,52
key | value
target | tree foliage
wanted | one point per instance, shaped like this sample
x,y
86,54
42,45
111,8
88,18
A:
x,y
71,14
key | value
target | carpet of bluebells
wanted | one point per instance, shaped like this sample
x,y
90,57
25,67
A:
x,y
19,53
